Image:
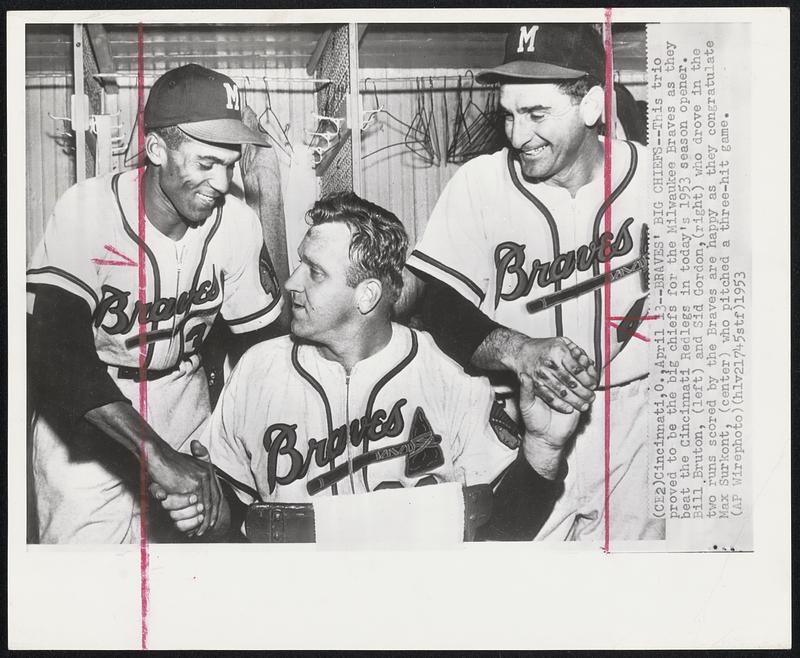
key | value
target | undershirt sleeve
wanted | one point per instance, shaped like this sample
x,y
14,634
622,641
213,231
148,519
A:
x,y
457,326
68,376
523,500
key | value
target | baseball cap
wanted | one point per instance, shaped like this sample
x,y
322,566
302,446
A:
x,y
201,102
550,51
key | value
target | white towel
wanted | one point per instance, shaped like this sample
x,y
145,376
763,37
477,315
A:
x,y
419,517
301,193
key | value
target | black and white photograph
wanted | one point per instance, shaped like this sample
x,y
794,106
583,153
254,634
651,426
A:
x,y
432,295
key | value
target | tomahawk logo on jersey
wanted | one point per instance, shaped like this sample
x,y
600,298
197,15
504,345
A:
x,y
292,424
219,266
503,241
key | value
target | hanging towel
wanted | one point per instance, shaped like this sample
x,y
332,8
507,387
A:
x,y
301,193
262,188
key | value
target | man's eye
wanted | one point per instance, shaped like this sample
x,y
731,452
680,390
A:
x,y
205,166
538,116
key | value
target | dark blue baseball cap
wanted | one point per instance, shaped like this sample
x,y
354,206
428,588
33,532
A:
x,y
201,102
549,51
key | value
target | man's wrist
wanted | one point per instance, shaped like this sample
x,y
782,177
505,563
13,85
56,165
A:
x,y
152,451
503,347
544,457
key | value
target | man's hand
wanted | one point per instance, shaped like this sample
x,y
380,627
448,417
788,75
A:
x,y
546,432
186,482
563,376
174,472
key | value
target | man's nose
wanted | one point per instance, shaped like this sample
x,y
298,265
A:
x,y
293,282
520,133
220,179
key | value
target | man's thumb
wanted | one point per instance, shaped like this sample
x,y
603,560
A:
x,y
157,491
199,450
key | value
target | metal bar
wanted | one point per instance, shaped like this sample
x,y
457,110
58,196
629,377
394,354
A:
x,y
318,50
102,52
133,76
354,110
103,148
329,155
626,77
78,119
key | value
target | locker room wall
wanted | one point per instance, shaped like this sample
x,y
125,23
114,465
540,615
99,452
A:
x,y
51,170
394,178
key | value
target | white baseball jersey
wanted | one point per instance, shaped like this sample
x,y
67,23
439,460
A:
x,y
292,424
91,249
502,241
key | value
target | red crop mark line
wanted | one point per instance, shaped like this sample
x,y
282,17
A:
x,y
144,555
118,263
104,261
640,318
614,321
609,121
635,334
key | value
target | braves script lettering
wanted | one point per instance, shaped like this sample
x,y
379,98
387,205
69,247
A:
x,y
281,439
509,260
115,303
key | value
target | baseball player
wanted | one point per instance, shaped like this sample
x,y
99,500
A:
x,y
353,403
103,289
527,222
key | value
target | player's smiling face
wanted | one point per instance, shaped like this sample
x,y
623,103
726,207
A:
x,y
196,176
323,304
548,129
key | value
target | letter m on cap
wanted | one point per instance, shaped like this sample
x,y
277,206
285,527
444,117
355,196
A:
x,y
526,37
232,92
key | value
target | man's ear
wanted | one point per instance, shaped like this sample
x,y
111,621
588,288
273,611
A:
x,y
155,149
368,294
592,105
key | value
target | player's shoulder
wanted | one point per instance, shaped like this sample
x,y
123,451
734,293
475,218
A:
x,y
87,192
487,165
433,358
87,207
261,361
266,352
239,222
236,210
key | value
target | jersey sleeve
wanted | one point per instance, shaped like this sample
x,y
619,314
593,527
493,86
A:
x,y
252,292
225,446
66,374
454,247
482,450
64,256
457,326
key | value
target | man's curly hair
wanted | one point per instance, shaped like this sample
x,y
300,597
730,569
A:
x,y
378,241
172,135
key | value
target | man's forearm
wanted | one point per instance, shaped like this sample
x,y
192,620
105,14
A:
x,y
499,350
545,459
523,501
122,423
